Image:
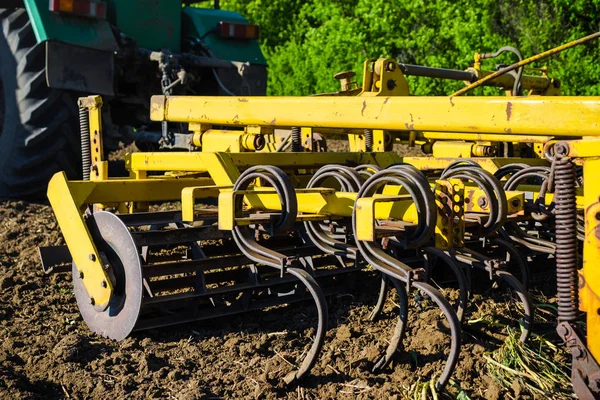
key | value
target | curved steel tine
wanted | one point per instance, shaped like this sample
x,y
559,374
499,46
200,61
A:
x,y
246,242
383,292
525,299
455,330
398,335
463,285
518,258
326,244
256,252
399,270
349,180
321,304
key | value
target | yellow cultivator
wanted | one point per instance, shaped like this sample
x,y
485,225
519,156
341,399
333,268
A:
x,y
252,227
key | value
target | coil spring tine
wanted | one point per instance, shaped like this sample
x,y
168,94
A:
x,y
257,253
509,169
542,173
348,178
282,185
367,170
491,187
247,244
413,181
460,163
326,244
455,331
321,304
394,269
518,257
525,299
463,285
349,181
399,329
383,292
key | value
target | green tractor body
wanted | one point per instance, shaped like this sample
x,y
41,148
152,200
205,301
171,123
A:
x,y
54,51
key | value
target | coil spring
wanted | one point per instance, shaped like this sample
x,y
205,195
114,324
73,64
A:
x,y
84,129
296,140
566,239
368,140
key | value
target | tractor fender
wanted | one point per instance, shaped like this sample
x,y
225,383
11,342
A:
x,y
79,51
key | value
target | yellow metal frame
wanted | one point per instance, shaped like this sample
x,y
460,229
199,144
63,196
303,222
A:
x,y
587,152
532,116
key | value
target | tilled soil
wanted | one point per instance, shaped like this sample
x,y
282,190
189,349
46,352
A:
x,y
46,351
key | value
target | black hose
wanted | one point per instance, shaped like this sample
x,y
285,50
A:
x,y
84,130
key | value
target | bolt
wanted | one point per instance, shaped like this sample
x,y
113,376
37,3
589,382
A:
x,y
578,352
594,382
516,202
391,66
104,284
482,202
562,330
561,149
391,84
92,257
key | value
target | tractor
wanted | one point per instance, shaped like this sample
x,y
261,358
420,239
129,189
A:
x,y
54,52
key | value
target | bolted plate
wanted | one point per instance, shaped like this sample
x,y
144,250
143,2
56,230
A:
x,y
113,240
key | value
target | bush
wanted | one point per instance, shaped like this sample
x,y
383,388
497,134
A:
x,y
306,42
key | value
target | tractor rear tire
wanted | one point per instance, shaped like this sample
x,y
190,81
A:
x,y
38,125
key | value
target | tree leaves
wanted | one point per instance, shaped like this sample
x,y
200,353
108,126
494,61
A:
x,y
306,42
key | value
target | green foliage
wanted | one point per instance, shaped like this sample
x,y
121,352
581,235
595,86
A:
x,y
306,42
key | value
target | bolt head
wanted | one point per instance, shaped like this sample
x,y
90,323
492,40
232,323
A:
x,y
562,330
92,257
594,382
482,202
104,284
578,352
